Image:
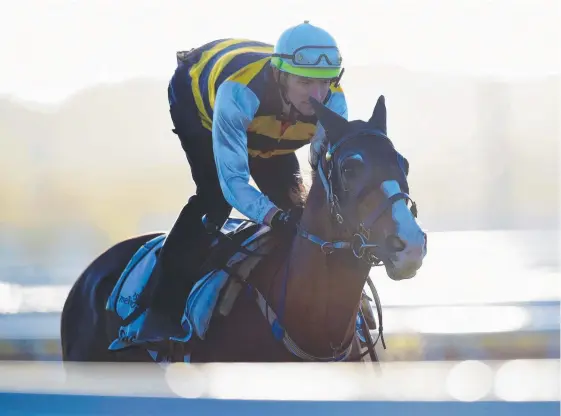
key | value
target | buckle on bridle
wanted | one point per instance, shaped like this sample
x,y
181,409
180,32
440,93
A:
x,y
327,248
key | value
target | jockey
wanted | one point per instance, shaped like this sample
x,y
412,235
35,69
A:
x,y
240,108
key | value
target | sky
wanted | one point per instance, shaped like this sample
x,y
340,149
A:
x,y
50,49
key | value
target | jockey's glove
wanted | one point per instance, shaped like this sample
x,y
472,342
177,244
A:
x,y
287,221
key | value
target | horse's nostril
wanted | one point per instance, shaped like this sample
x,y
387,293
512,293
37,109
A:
x,y
394,243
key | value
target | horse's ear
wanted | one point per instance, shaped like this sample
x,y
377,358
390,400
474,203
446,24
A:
x,y
378,119
403,163
335,125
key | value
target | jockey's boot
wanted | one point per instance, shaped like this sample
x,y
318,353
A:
x,y
173,277
159,324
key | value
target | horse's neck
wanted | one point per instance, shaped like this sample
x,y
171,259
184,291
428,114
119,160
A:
x,y
323,292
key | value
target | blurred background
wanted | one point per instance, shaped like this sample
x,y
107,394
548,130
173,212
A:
x,y
87,156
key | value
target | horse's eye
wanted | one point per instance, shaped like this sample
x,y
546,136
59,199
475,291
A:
x,y
352,166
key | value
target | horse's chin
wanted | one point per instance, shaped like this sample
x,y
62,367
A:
x,y
402,273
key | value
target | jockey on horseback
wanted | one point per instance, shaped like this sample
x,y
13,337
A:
x,y
240,108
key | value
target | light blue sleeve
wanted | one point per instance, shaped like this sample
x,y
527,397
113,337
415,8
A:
x,y
234,109
337,103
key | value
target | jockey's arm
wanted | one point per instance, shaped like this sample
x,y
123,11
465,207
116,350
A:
x,y
234,109
337,103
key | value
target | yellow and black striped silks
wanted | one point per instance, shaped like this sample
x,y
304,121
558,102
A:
x,y
247,62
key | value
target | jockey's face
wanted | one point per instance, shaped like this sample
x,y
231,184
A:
x,y
299,89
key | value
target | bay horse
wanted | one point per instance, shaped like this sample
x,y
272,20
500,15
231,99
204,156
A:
x,y
357,214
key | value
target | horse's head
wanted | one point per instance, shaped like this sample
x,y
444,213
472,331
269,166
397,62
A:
x,y
365,182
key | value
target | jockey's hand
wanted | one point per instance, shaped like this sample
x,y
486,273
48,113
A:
x,y
287,221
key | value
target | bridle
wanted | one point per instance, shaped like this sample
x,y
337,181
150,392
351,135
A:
x,y
361,247
360,244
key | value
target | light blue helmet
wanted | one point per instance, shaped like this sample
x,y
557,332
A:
x,y
308,51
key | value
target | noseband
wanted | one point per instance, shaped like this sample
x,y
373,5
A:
x,y
360,243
